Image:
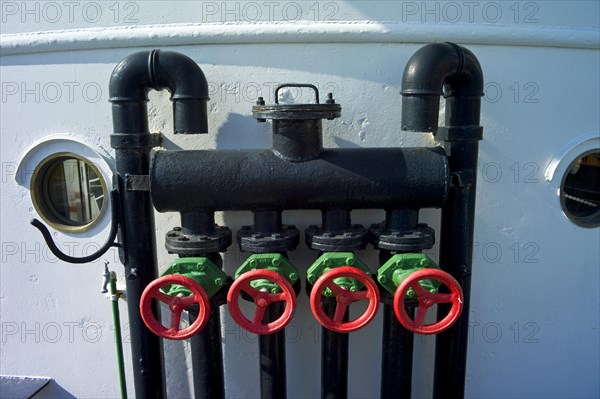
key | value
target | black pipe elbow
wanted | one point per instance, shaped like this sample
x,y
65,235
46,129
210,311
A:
x,y
138,73
130,81
189,89
437,69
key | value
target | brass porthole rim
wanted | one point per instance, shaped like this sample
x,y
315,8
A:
x,y
590,221
39,201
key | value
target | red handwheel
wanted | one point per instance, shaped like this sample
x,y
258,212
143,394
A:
x,y
176,305
426,300
343,299
262,300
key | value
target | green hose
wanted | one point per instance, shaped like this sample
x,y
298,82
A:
x,y
114,296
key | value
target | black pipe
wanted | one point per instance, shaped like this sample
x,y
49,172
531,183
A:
x,y
401,219
206,346
451,70
297,140
257,179
456,254
397,354
138,73
272,357
267,222
197,222
434,70
334,345
397,341
140,269
130,82
335,219
271,347
334,357
207,357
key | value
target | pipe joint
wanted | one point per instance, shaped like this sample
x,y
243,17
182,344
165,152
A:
x,y
138,73
434,70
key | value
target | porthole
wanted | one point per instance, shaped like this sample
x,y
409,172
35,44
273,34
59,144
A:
x,y
68,192
580,190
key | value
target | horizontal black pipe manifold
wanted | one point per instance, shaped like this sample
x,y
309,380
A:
x,y
356,178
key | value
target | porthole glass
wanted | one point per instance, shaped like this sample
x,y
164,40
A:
x,y
580,190
68,192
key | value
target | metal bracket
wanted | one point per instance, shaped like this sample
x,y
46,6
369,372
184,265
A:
x,y
459,133
128,141
137,182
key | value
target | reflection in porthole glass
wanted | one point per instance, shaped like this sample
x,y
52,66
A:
x,y
68,192
580,190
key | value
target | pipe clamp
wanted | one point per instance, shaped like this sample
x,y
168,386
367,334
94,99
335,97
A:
x,y
137,182
459,133
127,141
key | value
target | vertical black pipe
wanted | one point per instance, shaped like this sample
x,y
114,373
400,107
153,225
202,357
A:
x,y
297,140
396,356
207,357
207,350
401,219
397,341
272,357
454,71
206,346
334,357
130,82
335,219
271,347
198,222
456,254
137,224
334,345
267,221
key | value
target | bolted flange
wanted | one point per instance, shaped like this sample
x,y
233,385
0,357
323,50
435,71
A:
x,y
327,110
285,240
412,240
351,239
176,242
297,128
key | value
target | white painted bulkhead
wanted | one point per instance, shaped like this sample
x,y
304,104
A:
x,y
535,293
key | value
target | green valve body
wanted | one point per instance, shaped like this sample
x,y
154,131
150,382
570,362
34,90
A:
x,y
331,260
400,266
202,270
269,261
